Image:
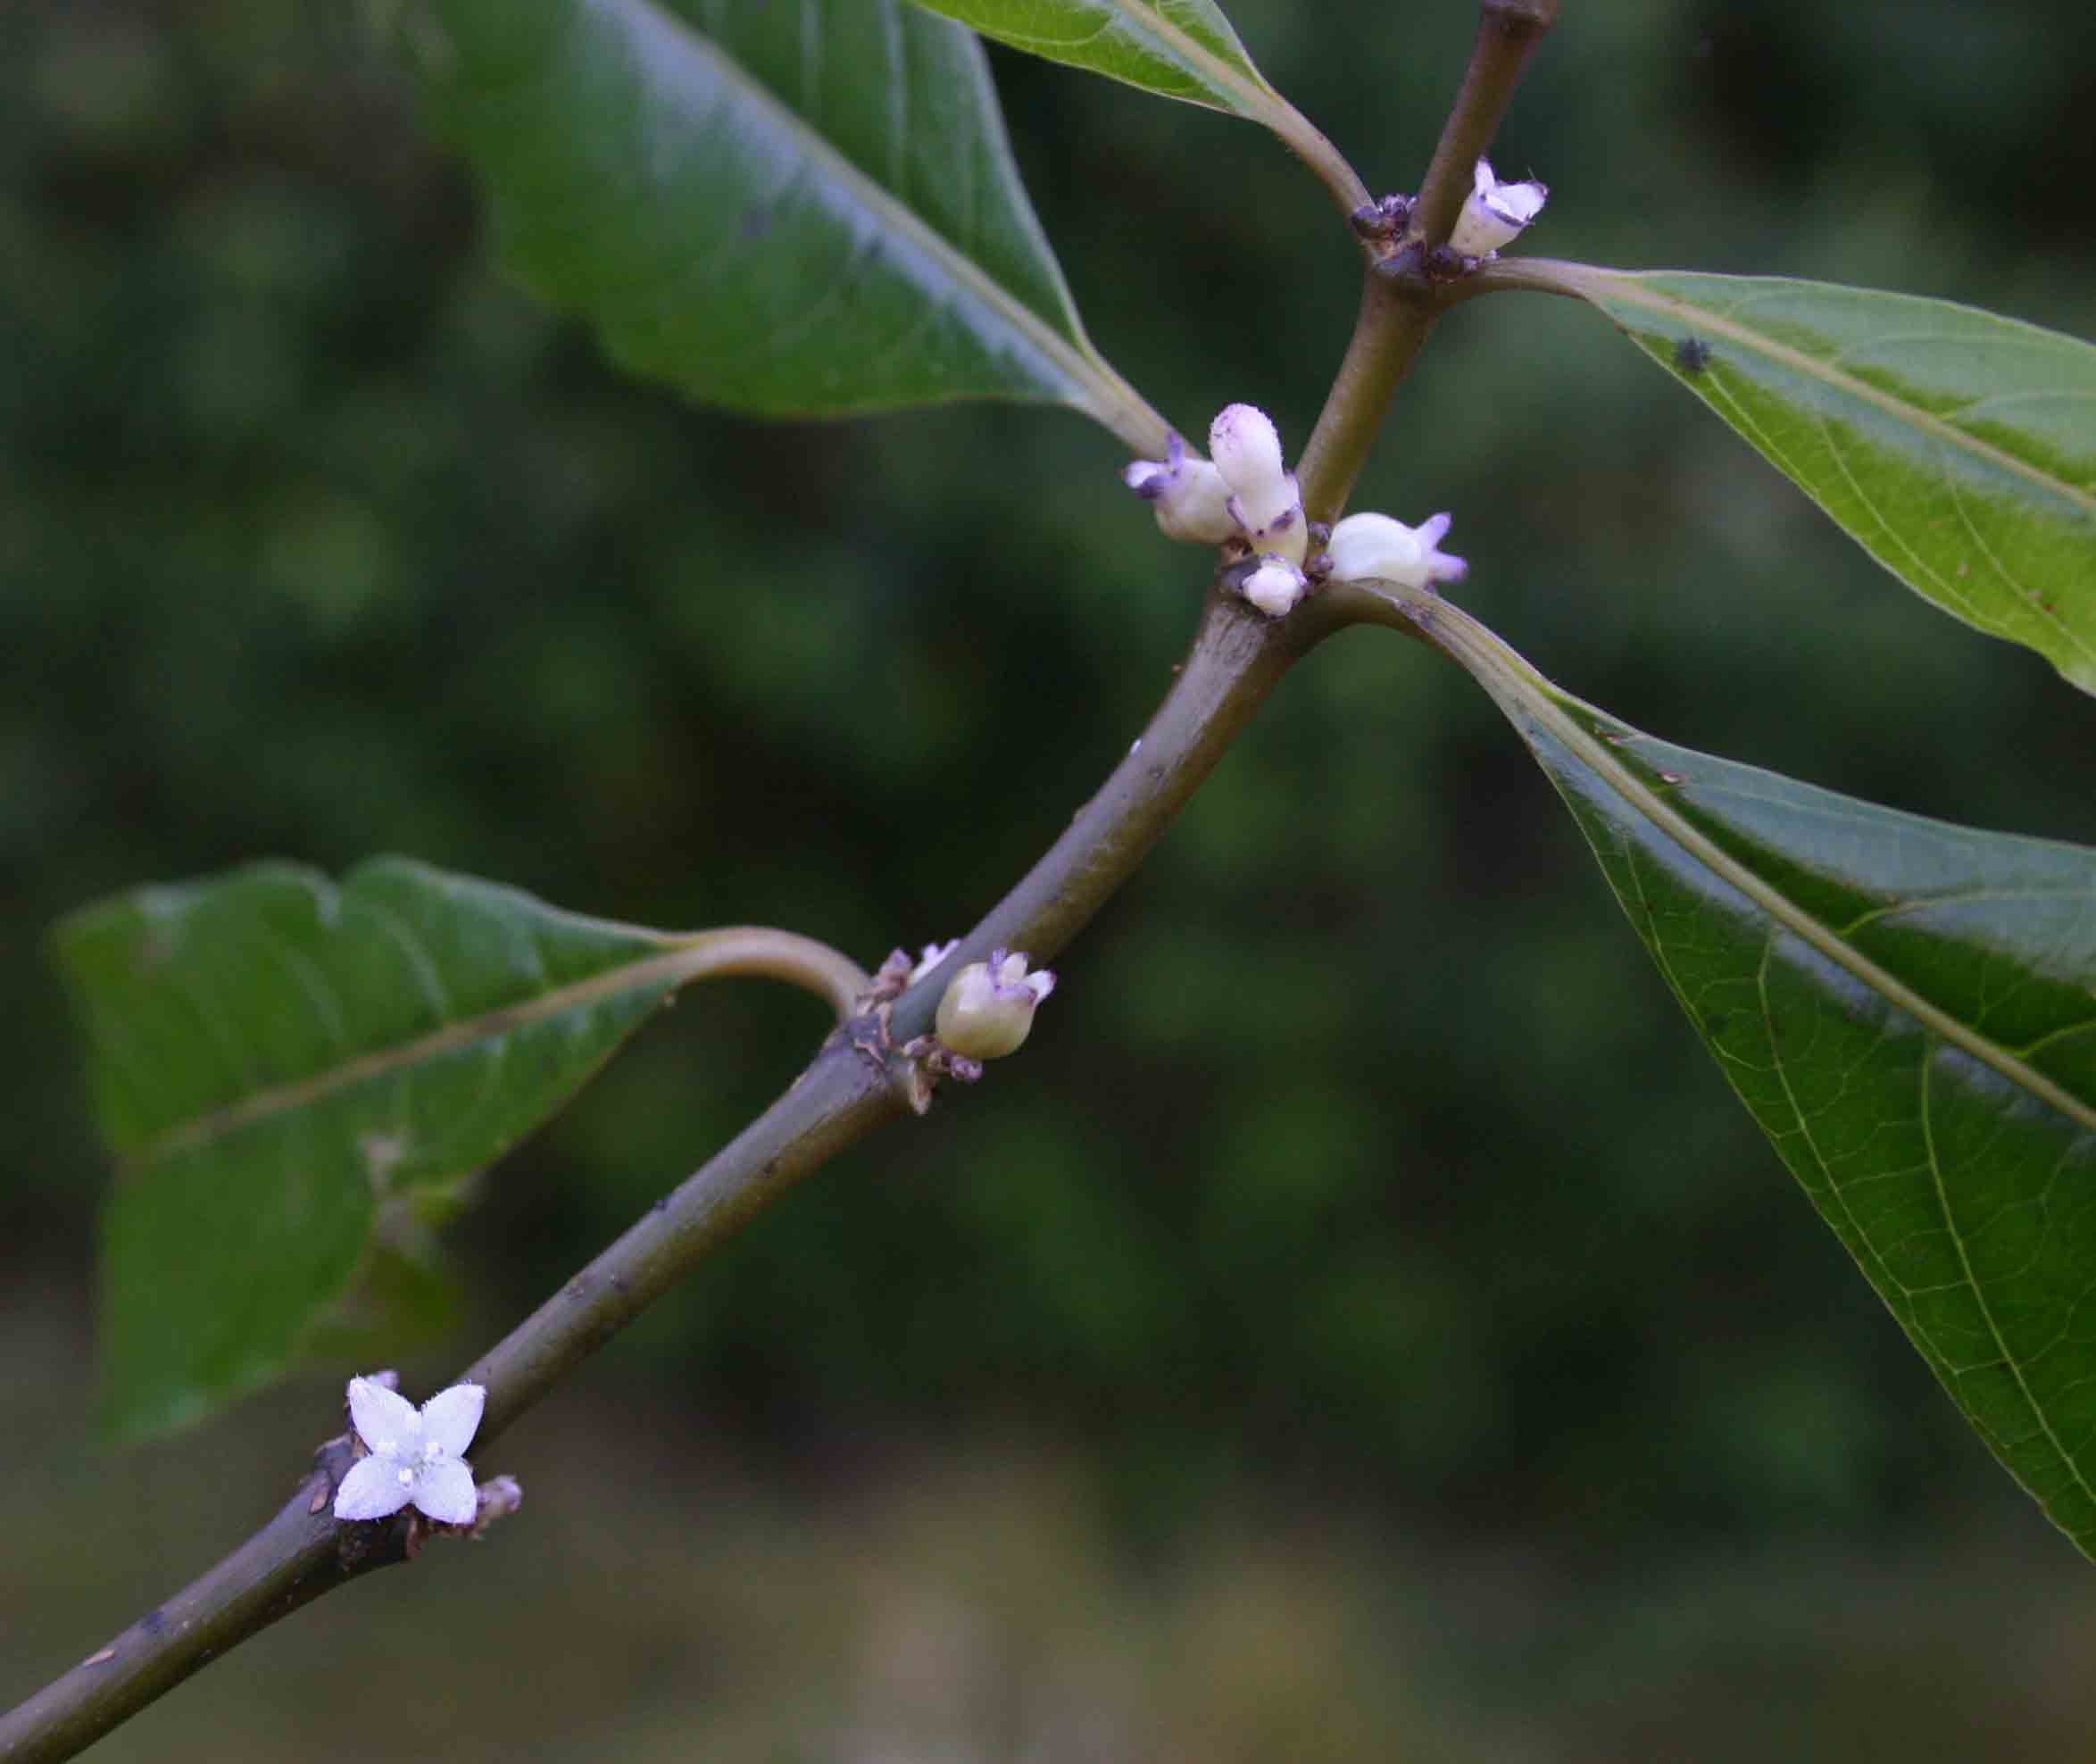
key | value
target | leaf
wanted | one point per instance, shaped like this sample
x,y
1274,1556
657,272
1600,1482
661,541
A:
x,y
1957,448
1176,48
273,1059
791,210
1908,1009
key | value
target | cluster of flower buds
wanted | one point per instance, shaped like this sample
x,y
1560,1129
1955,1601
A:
x,y
1245,492
1494,213
1247,497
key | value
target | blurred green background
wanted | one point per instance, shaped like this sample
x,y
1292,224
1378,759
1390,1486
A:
x,y
1363,1324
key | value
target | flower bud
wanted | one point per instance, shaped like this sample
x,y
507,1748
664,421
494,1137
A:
x,y
1494,213
1186,492
1375,548
988,1011
1273,586
1264,500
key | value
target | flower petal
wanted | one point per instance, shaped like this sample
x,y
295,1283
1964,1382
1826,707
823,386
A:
x,y
370,1491
452,1416
377,1413
446,1491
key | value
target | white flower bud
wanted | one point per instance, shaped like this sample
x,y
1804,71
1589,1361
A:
x,y
1275,586
1375,548
1186,492
1494,213
934,954
1264,500
989,1008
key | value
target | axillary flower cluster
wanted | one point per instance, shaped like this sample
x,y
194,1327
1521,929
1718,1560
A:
x,y
1244,498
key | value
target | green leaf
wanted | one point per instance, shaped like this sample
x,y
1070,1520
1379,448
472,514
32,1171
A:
x,y
1176,48
792,210
273,1059
1957,448
1908,1009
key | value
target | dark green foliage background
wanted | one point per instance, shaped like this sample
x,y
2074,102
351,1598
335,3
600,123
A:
x,y
1362,1150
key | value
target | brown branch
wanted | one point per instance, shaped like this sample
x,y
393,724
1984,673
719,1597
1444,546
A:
x,y
858,1081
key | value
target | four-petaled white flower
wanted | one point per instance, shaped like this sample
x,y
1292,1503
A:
x,y
415,1453
988,1011
1494,213
1375,548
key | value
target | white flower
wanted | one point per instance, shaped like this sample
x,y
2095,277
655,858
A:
x,y
988,1011
1264,500
1494,213
1187,494
414,1453
1275,586
934,954
1375,548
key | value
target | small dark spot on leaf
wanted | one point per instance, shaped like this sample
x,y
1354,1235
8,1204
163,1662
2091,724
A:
x,y
154,1621
1692,355
757,221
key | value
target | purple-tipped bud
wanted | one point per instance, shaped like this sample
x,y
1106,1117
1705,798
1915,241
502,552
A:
x,y
1494,213
1186,492
1375,548
988,1009
1264,501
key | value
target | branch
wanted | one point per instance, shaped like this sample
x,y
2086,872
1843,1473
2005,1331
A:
x,y
1507,32
1400,301
1388,332
855,1083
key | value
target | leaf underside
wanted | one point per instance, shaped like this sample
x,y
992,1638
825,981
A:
x,y
790,210
275,1060
1908,1010
1957,446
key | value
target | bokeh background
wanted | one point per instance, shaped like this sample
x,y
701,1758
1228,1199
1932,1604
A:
x,y
1363,1324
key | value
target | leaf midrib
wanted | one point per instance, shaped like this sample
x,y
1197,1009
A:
x,y
1626,286
687,960
1255,94
1101,394
1507,675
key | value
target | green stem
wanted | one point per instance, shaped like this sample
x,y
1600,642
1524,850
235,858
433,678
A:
x,y
763,952
1308,143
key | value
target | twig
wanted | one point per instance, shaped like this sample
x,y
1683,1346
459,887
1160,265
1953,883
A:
x,y
304,1551
1400,301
